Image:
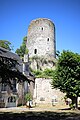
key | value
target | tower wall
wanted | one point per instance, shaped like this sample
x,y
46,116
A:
x,y
41,38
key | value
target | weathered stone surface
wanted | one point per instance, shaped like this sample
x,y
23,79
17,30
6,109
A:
x,y
41,38
42,53
43,92
43,62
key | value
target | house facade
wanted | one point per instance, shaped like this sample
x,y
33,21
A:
x,y
12,95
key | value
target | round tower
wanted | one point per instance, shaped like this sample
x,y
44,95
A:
x,y
41,38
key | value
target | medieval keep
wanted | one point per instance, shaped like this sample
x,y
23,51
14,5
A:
x,y
41,44
41,38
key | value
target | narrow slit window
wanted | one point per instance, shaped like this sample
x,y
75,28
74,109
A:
x,y
35,51
48,39
42,28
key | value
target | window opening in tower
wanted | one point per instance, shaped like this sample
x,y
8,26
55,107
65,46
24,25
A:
x,y
42,28
48,39
35,51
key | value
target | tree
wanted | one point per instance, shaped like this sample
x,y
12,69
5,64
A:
x,y
66,76
6,44
22,50
57,53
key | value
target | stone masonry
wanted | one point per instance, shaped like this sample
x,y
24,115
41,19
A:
x,y
41,44
43,92
41,38
42,54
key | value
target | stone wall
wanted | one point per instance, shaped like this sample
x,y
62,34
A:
x,y
41,38
43,92
42,63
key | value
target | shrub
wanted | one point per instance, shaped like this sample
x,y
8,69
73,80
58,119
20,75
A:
x,y
47,73
28,97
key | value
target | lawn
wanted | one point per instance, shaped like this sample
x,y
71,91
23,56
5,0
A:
x,y
64,114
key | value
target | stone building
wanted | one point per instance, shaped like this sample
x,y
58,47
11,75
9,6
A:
x,y
41,44
12,95
41,38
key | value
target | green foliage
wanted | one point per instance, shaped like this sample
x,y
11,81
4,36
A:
x,y
6,44
25,38
47,73
72,106
67,74
22,50
28,97
37,73
57,53
26,51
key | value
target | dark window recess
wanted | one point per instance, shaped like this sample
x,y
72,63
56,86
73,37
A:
x,y
42,28
42,99
48,39
35,51
12,99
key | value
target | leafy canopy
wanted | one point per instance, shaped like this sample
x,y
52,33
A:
x,y
6,44
66,77
22,50
47,73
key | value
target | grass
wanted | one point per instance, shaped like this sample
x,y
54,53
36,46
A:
x,y
40,113
46,115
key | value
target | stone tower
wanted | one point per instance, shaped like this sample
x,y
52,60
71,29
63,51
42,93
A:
x,y
41,38
42,53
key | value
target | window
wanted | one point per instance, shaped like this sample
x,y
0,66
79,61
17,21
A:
x,y
35,51
48,39
12,99
3,88
42,28
42,99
